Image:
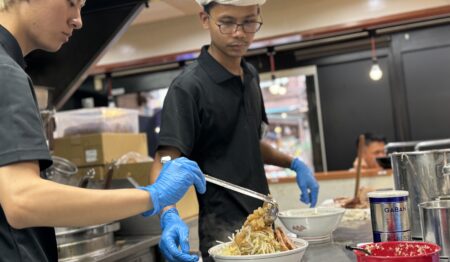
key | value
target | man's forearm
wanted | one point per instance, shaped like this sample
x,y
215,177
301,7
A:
x,y
273,156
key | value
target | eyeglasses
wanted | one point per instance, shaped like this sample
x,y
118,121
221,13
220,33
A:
x,y
230,28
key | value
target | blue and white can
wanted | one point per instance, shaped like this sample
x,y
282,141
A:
x,y
389,212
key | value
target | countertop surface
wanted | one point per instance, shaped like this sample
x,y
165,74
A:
x,y
348,233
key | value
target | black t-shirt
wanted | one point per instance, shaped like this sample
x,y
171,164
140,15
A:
x,y
21,139
215,119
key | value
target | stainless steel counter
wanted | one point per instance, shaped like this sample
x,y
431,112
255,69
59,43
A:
x,y
348,233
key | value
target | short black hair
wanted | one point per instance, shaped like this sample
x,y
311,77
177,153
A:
x,y
207,8
371,137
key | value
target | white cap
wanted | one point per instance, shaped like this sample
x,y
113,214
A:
x,y
232,2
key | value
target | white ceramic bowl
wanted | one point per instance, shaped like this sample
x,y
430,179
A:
x,y
312,223
294,255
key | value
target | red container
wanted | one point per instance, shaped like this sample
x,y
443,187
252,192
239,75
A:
x,y
406,251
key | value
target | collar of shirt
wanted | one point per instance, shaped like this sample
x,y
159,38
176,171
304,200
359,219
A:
x,y
11,46
214,69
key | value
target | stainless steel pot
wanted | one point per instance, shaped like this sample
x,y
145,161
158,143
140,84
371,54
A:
x,y
435,222
75,244
425,175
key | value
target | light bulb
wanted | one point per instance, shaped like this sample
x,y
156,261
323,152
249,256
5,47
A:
x,y
282,90
375,72
278,129
283,115
274,88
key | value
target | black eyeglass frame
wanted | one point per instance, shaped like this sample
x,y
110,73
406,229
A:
x,y
236,26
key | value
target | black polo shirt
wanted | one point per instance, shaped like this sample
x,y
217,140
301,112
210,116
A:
x,y
215,119
21,139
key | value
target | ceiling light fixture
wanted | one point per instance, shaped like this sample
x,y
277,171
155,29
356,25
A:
x,y
275,87
375,71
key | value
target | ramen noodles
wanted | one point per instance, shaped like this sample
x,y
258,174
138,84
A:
x,y
255,237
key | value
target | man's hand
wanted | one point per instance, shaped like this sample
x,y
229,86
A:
x,y
173,182
175,233
306,182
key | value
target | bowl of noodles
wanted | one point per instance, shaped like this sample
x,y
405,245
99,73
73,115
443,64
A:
x,y
257,240
222,253
312,224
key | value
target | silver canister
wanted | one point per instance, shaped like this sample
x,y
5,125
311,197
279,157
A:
x,y
435,223
389,212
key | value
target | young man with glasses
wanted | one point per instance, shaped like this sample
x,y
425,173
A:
x,y
214,114
30,205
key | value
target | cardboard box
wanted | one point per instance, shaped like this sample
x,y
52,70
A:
x,y
99,149
188,205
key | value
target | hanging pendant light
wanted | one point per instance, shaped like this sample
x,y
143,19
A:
x,y
375,71
275,88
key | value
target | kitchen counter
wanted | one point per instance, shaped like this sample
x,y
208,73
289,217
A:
x,y
332,175
348,233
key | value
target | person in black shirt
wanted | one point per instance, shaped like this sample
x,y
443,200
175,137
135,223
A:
x,y
29,204
214,114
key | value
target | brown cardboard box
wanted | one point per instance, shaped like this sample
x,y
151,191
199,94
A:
x,y
188,205
99,149
140,172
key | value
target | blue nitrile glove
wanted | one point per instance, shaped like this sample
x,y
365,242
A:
x,y
173,182
306,182
175,233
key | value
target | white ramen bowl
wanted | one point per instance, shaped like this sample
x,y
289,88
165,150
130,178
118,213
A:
x,y
312,223
294,255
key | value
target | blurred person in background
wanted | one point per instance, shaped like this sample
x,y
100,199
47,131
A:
x,y
31,205
373,148
214,114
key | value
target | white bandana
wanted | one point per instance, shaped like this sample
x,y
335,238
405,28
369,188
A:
x,y
232,2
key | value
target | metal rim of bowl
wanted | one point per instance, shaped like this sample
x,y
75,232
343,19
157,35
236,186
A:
x,y
424,152
425,205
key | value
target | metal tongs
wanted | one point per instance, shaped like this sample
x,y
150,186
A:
x,y
272,213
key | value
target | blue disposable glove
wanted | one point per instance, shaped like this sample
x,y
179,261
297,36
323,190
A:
x,y
173,182
306,182
175,233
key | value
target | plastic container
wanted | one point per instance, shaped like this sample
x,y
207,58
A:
x,y
96,120
399,251
63,171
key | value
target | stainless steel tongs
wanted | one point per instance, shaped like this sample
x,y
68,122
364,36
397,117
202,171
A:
x,y
271,215
273,205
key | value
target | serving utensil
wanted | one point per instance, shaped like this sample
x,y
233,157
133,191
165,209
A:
x,y
273,210
272,213
359,249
